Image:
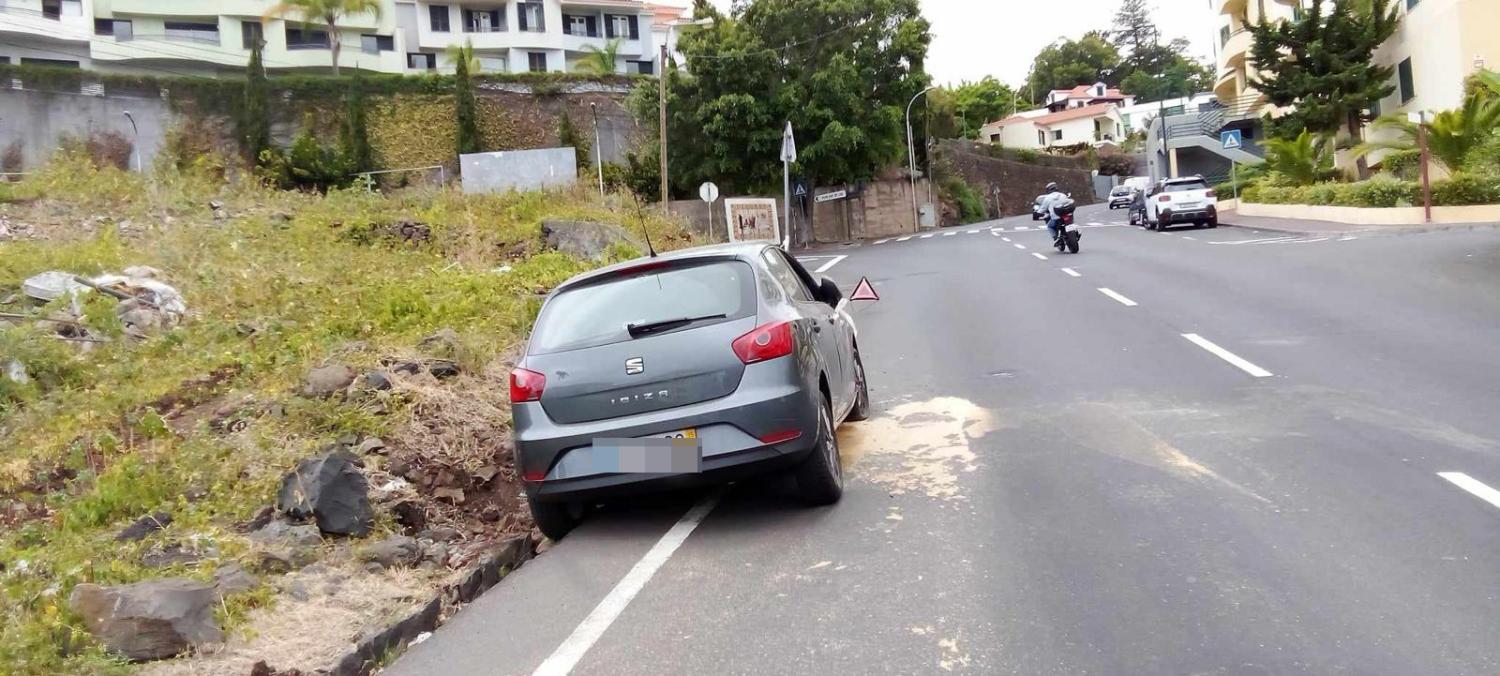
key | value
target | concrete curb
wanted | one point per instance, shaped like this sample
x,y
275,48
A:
x,y
1372,230
377,649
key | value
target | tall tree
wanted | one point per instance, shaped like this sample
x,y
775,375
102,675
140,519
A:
x,y
1323,66
463,101
1068,63
979,103
1133,29
328,13
255,113
600,60
1156,72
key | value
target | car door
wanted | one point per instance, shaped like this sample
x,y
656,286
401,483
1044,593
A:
x,y
819,320
843,326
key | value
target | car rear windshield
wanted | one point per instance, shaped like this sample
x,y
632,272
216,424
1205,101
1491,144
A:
x,y
601,313
1186,186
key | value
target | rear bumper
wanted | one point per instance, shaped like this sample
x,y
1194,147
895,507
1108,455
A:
x,y
716,470
1206,213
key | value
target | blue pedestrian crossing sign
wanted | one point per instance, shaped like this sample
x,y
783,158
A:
x,y
1232,139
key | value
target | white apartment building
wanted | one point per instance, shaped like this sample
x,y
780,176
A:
x,y
213,37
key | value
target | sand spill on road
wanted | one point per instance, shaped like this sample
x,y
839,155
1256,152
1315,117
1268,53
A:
x,y
917,447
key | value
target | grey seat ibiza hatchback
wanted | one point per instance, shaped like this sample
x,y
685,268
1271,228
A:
x,y
699,366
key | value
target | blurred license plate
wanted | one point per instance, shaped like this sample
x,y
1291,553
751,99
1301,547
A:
x,y
677,452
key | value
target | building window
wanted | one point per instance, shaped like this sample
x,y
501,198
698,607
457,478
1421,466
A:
x,y
581,25
1375,108
119,29
438,14
1408,88
55,63
1411,4
375,44
532,17
52,9
994,138
621,26
305,38
191,31
1224,36
537,61
1057,134
1041,137
492,64
251,33
420,61
641,67
484,20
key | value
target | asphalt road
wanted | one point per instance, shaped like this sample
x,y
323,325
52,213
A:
x,y
1058,481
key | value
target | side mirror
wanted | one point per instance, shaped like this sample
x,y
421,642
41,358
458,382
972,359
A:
x,y
828,292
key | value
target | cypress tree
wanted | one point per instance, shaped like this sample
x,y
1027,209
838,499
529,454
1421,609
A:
x,y
463,101
254,118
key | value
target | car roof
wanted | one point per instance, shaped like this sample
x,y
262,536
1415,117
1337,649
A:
x,y
1184,179
743,250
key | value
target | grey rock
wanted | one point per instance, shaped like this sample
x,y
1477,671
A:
x,y
411,515
279,560
444,343
331,489
328,381
443,369
435,553
144,526
440,534
231,579
149,620
583,239
168,555
397,551
371,445
281,533
377,380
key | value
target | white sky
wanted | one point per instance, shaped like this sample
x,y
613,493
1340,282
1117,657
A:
x,y
975,38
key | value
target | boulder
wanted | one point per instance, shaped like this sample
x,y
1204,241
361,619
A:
x,y
397,551
149,620
411,515
332,490
327,381
281,533
583,239
377,381
371,445
231,579
444,343
144,526
168,555
443,369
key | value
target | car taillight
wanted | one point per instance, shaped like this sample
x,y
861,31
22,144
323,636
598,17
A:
x,y
766,342
526,385
1164,198
782,436
1209,194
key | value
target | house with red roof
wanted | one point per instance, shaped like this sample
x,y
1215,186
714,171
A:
x,y
1092,123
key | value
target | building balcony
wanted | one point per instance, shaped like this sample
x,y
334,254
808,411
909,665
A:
x,y
581,43
33,18
1236,48
1231,7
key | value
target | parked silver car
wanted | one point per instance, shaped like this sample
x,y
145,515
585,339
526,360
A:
x,y
697,366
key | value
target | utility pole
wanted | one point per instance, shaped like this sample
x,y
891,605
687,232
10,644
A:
x,y
911,160
598,149
661,78
1426,160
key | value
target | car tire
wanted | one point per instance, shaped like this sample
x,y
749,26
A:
x,y
1213,223
861,409
554,519
820,478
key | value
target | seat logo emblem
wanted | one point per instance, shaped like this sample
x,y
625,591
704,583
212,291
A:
x,y
635,366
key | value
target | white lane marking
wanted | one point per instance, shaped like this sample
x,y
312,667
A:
x,y
1007,239
1115,295
1039,256
1022,227
881,241
1256,241
1071,272
903,239
1310,241
1019,246
1228,356
949,234
975,231
829,265
1184,236
927,236
1096,224
1474,486
1347,239
573,648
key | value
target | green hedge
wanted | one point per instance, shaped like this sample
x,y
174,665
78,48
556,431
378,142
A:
x,y
1462,189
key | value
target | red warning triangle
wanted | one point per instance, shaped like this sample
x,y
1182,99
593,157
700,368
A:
x,y
864,291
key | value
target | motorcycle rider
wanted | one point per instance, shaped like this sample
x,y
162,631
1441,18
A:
x,y
1052,197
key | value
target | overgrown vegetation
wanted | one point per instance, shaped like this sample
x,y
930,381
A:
x,y
463,101
97,437
569,137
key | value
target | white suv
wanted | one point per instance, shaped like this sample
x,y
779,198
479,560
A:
x,y
1182,200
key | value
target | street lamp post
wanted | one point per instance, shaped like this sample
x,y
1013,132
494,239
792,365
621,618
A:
x,y
911,158
661,95
135,140
598,149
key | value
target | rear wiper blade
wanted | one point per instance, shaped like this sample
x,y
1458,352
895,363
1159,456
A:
x,y
646,328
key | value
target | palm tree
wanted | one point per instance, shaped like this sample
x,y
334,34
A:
x,y
325,12
600,61
1450,135
464,53
1303,160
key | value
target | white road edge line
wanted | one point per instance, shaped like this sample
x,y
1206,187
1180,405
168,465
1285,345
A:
x,y
1473,486
1228,356
1019,246
927,236
829,265
1005,239
1039,256
903,239
573,648
1071,272
946,234
1113,294
975,231
881,241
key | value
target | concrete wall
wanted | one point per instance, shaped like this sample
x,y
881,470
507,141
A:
x,y
519,170
1009,186
38,120
872,210
1483,213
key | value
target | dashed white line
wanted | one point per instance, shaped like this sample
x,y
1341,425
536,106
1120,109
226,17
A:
x,y
975,231
949,234
829,265
1310,241
1071,272
1019,246
1256,241
903,239
1096,224
1007,239
573,648
1022,227
1190,237
927,236
881,241
1348,239
1228,356
1039,256
1115,295
1474,486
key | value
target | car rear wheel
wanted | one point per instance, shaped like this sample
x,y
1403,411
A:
x,y
555,519
820,479
861,410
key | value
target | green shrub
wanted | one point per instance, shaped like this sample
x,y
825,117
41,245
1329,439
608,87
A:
x,y
1381,191
1485,157
1403,164
968,200
1467,188
1027,155
307,165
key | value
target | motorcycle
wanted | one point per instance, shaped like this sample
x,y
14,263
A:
x,y
1067,231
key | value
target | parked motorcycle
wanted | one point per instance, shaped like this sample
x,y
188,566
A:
x,y
1067,231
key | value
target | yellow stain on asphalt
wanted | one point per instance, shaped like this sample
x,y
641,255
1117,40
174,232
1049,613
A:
x,y
917,447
